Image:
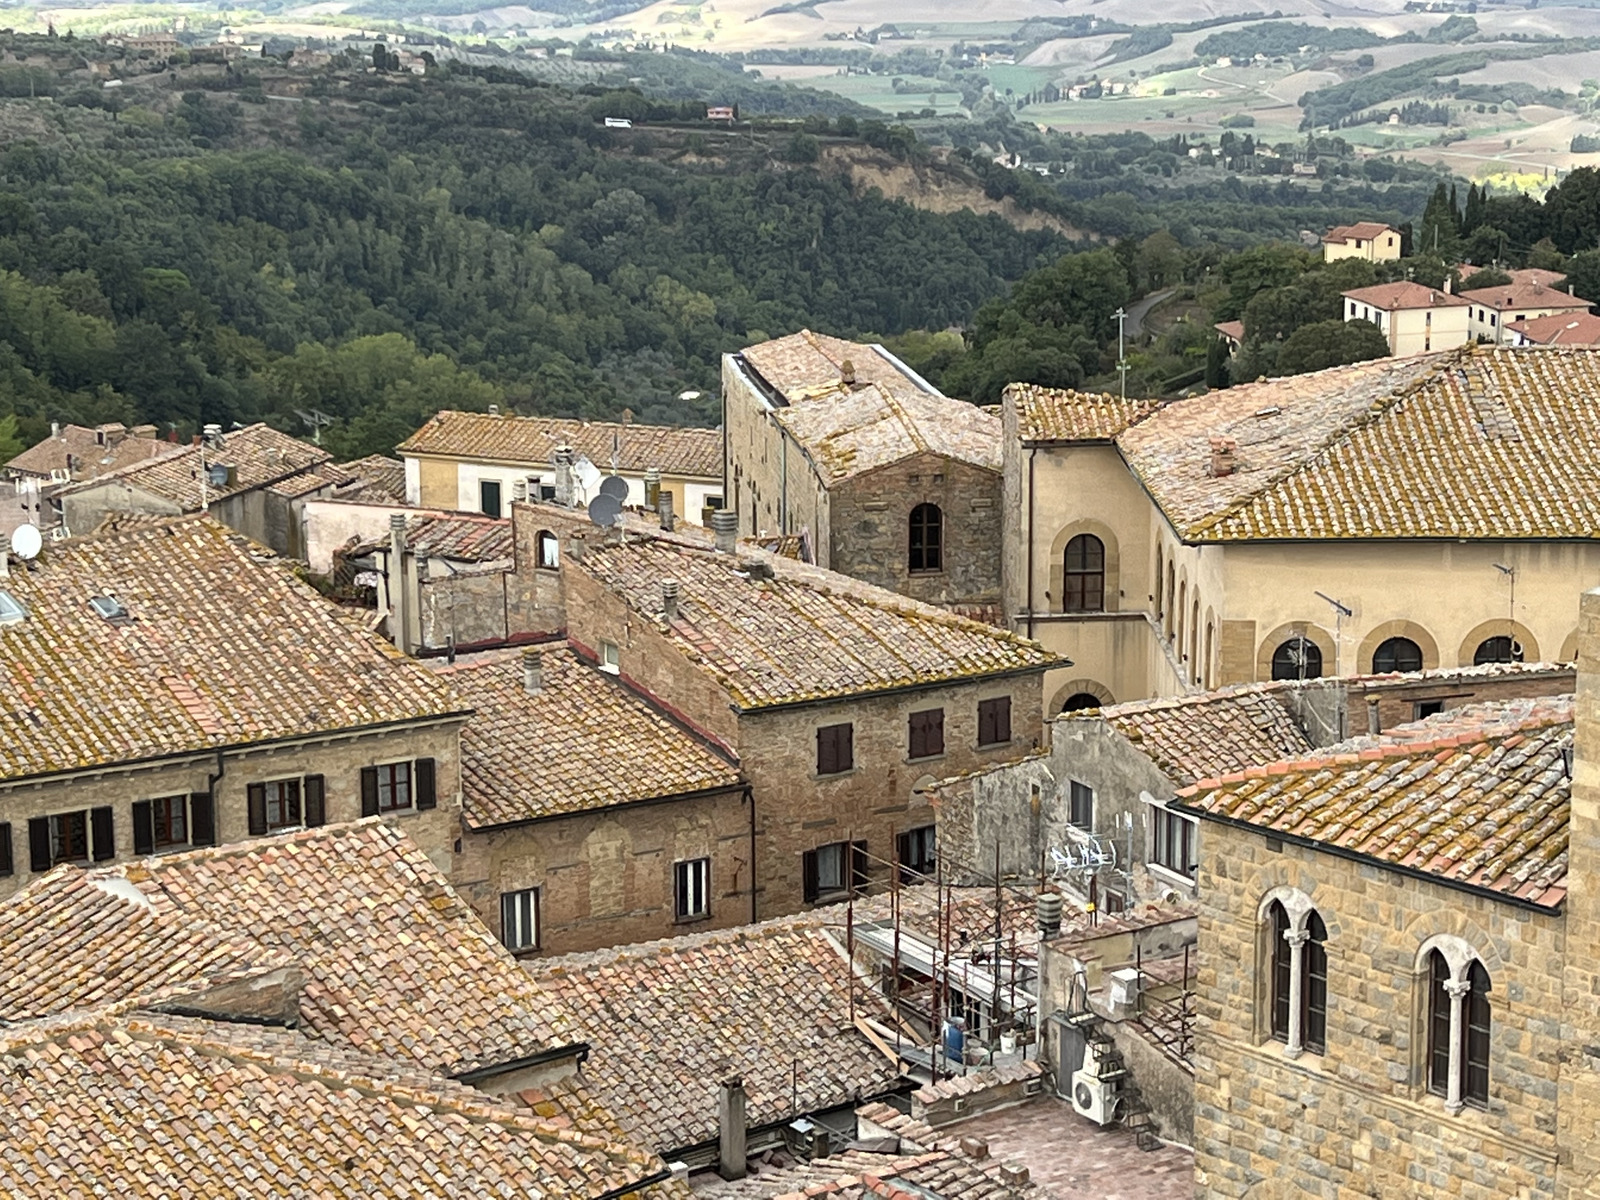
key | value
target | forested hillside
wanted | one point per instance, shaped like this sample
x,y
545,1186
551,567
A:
x,y
225,255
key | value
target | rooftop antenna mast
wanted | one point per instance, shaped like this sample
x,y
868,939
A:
x,y
1513,650
1340,612
1122,358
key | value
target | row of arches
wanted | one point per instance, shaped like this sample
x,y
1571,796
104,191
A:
x,y
1306,653
1456,1016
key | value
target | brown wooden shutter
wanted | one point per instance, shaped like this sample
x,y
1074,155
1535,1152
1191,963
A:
x,y
257,798
827,750
144,834
7,865
859,866
315,797
203,819
846,749
39,844
422,778
986,716
934,731
808,870
1002,719
104,840
369,791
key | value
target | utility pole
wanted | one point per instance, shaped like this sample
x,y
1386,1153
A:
x,y
1122,358
1340,612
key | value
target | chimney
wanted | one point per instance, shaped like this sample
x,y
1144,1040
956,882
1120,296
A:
x,y
5,556
55,429
669,599
1433,296
1224,456
1049,910
519,491
731,1156
652,487
1448,284
564,491
494,410
725,524
532,672
847,372
399,625
627,416
1374,722
664,507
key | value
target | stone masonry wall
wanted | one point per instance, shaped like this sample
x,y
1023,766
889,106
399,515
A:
x,y
1358,1120
871,517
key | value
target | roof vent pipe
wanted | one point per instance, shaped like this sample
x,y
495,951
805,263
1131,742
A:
x,y
731,1162
1049,909
669,599
1374,721
664,507
564,491
532,672
652,487
725,524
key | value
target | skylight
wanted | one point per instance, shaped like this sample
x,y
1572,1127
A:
x,y
109,607
10,610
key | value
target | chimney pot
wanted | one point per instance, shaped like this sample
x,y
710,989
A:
x,y
847,372
664,507
1224,456
725,524
669,599
1374,722
55,429
532,672
564,482
652,487
731,1156
494,410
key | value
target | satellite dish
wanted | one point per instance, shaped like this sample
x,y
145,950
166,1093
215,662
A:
x,y
614,486
588,475
604,510
26,542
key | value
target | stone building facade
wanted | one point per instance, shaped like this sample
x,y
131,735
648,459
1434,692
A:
x,y
889,481
1295,527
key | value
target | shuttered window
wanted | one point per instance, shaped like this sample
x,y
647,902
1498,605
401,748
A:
x,y
7,863
926,733
102,836
160,824
313,789
835,751
394,787
994,721
519,919
202,820
834,868
65,837
423,773
692,888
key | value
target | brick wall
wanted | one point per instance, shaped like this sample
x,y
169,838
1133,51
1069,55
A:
x,y
338,759
871,517
1358,1120
606,878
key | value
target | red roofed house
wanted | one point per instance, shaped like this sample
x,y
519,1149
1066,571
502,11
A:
x,y
1494,308
1370,240
1557,329
1415,319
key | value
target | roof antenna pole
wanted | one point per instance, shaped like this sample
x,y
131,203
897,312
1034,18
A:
x,y
1340,612
1511,612
1122,358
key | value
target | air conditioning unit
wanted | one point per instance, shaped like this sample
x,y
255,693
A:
x,y
1092,1097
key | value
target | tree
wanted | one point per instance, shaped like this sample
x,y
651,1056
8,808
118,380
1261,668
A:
x,y
1488,277
1583,273
1217,364
1325,344
1440,229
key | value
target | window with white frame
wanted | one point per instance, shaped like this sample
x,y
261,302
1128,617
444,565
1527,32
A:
x,y
610,659
692,887
519,919
1172,841
549,550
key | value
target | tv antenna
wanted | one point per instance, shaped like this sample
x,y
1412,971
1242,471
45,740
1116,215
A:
x,y
1122,358
1513,648
315,421
1340,612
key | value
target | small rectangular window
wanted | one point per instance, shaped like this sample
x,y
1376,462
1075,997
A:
x,y
926,730
918,851
283,804
692,888
835,749
489,497
835,868
1172,842
519,919
394,786
610,658
994,721
69,837
169,821
1427,708
1113,902
1081,805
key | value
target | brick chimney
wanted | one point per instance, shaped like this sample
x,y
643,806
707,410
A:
x,y
532,672
564,483
1224,456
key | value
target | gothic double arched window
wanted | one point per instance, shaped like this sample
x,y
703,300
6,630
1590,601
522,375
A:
x,y
1299,978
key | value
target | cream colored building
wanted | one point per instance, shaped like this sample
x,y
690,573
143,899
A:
x,y
1390,515
1367,240
481,462
1414,319
1494,309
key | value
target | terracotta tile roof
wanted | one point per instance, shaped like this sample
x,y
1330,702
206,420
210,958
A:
x,y
1196,737
944,1173
1480,797
1232,330
1515,295
883,416
1481,442
379,476
584,741
1404,294
149,1106
1527,276
1366,230
394,963
805,633
222,646
79,447
766,1002
259,454
1560,329
461,537
1062,415
532,441
319,477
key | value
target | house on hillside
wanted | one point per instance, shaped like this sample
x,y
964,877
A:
x,y
1368,240
1414,319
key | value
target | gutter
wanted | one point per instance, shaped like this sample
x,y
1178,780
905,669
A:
x,y
578,1050
749,794
628,1189
1368,860
640,802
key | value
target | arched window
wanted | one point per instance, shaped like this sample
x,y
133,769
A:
x,y
1298,658
549,550
1194,639
1084,577
1396,654
1183,601
1172,590
1497,650
1081,700
927,538
1211,654
1160,598
1458,1032
1299,979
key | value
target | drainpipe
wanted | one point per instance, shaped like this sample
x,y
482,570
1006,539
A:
x,y
750,796
211,791
783,488
1032,454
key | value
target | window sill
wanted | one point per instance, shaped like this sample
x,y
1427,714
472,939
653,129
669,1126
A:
x,y
834,775
692,920
525,952
924,758
1168,875
996,745
924,574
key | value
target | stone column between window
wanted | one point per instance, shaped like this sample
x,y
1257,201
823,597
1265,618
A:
x,y
1297,939
1457,990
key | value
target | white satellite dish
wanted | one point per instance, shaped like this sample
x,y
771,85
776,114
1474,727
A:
x,y
588,475
26,542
